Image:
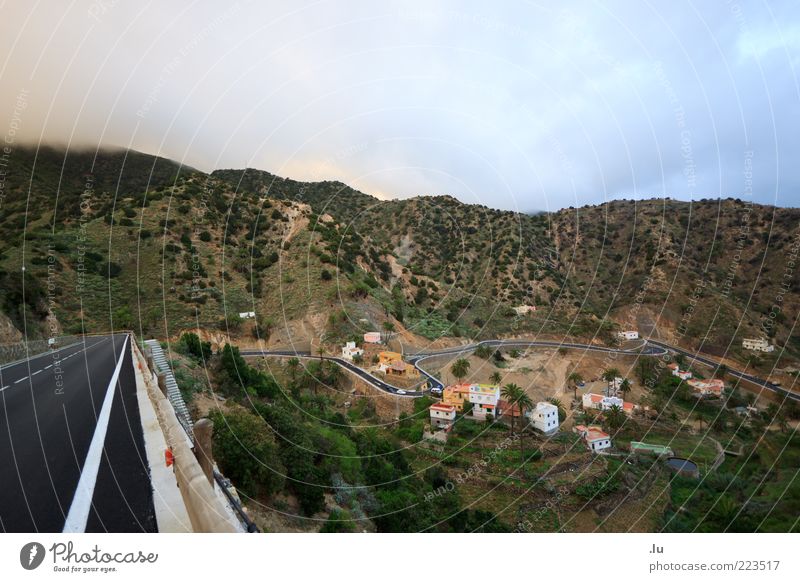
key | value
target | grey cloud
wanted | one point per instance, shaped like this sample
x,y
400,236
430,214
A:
x,y
515,106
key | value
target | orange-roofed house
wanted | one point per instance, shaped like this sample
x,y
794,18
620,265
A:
x,y
508,409
402,370
388,358
682,374
442,415
713,387
593,436
456,395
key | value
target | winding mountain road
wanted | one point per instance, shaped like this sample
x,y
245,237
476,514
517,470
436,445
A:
x,y
649,348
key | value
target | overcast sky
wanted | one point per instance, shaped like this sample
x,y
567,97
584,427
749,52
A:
x,y
528,106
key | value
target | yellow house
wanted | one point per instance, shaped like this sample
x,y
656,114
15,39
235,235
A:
x,y
389,358
456,395
403,370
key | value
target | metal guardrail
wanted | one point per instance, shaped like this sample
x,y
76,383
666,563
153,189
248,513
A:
x,y
17,351
173,391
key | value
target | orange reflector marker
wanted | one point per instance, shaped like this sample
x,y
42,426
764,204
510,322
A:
x,y
169,457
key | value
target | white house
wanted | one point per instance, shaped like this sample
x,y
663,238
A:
x,y
484,398
757,344
350,351
593,436
713,387
544,417
247,315
682,374
600,402
628,335
372,337
442,415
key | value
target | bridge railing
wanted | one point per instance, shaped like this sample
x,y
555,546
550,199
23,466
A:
x,y
204,507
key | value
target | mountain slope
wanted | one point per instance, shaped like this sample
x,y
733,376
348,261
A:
x,y
124,239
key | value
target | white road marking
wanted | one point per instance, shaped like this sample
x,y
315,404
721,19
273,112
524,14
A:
x,y
48,367
21,380
78,514
4,388
36,372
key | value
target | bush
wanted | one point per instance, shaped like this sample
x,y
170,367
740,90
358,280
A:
x,y
200,351
246,452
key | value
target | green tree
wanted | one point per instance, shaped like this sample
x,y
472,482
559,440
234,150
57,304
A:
x,y
496,378
625,387
610,374
562,413
200,351
246,452
339,521
293,364
615,417
460,368
388,328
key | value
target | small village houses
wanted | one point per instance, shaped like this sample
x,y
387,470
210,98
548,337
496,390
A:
x,y
682,374
544,417
707,388
593,437
442,416
484,398
350,351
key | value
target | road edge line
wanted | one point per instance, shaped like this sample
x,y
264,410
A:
x,y
78,515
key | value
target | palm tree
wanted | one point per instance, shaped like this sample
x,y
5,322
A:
x,y
511,393
574,378
332,373
293,364
562,412
610,374
524,403
615,417
460,368
321,351
495,378
555,402
625,387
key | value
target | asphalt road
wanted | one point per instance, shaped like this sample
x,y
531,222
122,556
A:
x,y
349,366
71,442
648,348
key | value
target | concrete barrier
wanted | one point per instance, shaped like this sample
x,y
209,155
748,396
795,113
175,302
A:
x,y
204,507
